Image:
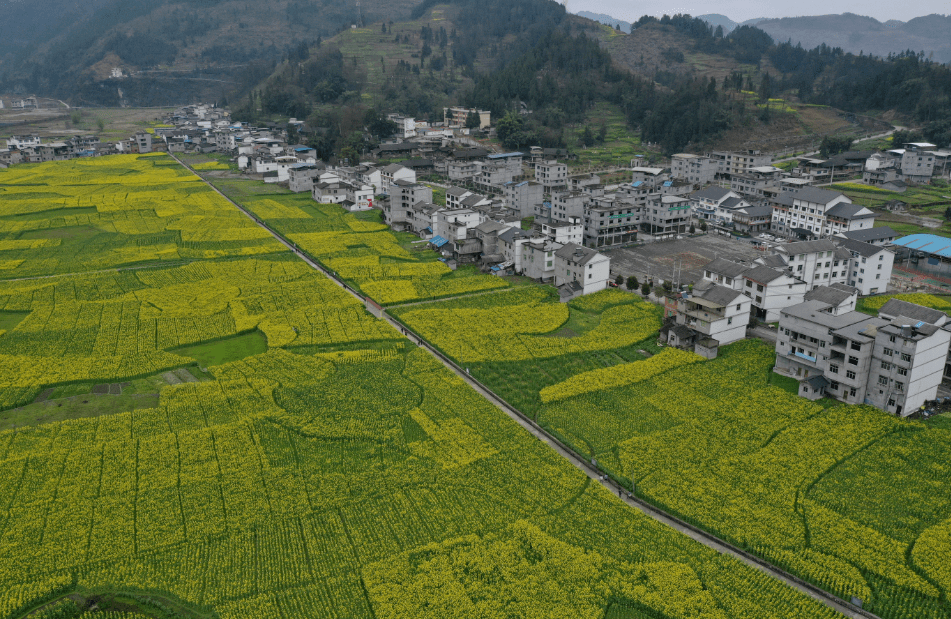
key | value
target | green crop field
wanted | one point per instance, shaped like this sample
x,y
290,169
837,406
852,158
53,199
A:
x,y
847,497
323,466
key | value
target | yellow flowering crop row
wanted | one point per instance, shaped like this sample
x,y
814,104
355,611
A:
x,y
618,375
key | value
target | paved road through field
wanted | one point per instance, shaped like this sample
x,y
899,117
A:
x,y
591,471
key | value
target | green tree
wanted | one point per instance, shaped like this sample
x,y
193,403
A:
x,y
378,124
76,117
645,289
100,124
587,138
473,121
632,283
619,280
703,226
602,133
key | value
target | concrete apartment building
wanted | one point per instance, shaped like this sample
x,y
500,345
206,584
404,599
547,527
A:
x,y
610,221
551,174
760,182
456,116
582,269
538,259
739,163
492,177
814,212
818,263
666,215
523,196
917,162
564,232
894,361
567,204
693,168
459,170
871,266
301,176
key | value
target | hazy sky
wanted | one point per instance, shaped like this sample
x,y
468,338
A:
x,y
740,10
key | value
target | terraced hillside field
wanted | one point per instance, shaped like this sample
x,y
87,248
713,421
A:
x,y
334,470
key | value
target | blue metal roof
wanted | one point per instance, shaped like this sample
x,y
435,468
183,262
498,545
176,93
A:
x,y
546,204
302,149
496,268
668,183
505,155
438,241
927,243
637,184
429,230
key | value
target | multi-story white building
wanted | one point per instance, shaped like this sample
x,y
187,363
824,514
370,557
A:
x,y
582,268
818,263
567,204
405,125
871,267
564,232
769,289
893,362
301,176
462,170
709,311
395,172
353,197
707,202
551,174
818,213
695,169
19,142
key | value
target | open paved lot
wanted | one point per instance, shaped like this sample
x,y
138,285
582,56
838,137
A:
x,y
688,256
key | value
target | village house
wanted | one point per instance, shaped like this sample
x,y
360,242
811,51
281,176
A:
x,y
710,315
695,169
894,361
523,196
551,174
580,270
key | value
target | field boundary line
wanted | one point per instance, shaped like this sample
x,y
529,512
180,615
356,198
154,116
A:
x,y
697,534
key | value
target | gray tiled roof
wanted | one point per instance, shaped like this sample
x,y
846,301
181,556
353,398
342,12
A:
x,y
871,234
576,253
711,193
827,294
897,307
807,247
849,211
722,266
862,249
715,293
762,275
814,194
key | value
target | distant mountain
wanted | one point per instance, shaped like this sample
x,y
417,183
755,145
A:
x,y
855,33
606,19
715,19
176,51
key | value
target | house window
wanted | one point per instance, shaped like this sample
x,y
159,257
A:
x,y
892,340
891,401
834,368
852,392
739,306
850,375
882,380
886,365
856,346
729,321
888,351
899,386
902,371
905,357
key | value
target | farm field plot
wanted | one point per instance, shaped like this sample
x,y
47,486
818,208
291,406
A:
x,y
121,211
849,498
338,472
385,266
